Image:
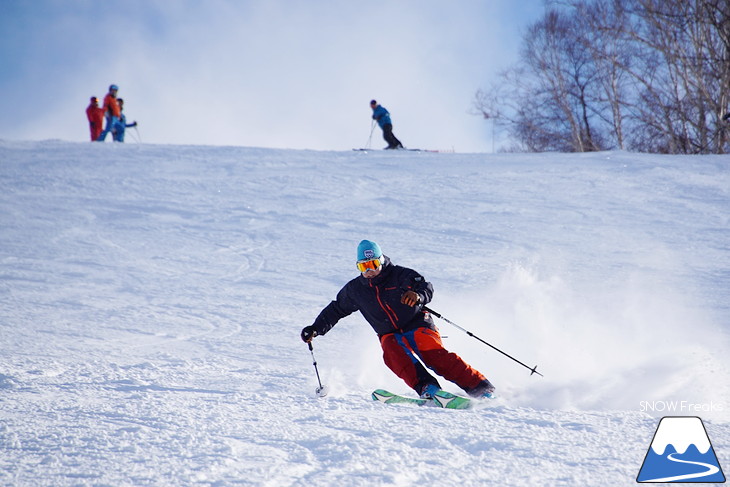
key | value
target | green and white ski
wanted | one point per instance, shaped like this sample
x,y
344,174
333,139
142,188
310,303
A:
x,y
441,399
389,398
451,401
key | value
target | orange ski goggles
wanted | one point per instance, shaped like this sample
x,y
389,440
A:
x,y
365,265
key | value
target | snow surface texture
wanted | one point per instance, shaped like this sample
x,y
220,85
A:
x,y
151,299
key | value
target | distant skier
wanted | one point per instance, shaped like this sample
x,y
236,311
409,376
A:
x,y
95,114
391,298
122,124
111,112
382,116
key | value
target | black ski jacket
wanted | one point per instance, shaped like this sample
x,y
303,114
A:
x,y
378,300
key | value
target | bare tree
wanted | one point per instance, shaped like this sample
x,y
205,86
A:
x,y
604,20
692,38
548,103
648,75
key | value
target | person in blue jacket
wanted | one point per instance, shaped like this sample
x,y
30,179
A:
x,y
122,124
391,299
382,116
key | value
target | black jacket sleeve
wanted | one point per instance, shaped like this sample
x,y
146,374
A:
x,y
342,306
411,280
423,288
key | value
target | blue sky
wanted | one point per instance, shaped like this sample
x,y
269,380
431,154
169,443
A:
x,y
288,74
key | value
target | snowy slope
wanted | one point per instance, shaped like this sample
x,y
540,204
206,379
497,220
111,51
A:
x,y
151,299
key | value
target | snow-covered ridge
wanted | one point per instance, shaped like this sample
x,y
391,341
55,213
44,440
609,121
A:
x,y
151,299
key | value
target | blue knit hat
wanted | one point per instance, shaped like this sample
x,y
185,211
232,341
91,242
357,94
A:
x,y
368,250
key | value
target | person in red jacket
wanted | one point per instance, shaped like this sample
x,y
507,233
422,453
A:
x,y
96,118
111,112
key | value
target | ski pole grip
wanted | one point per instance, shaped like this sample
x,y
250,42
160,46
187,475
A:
x,y
429,310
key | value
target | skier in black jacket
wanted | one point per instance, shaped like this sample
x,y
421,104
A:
x,y
391,298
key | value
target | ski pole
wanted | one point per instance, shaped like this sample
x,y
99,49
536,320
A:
x,y
533,370
370,139
134,137
321,390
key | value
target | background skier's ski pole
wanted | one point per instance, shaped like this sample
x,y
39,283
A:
x,y
137,138
321,390
370,139
533,370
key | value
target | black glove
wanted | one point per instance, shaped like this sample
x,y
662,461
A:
x,y
308,332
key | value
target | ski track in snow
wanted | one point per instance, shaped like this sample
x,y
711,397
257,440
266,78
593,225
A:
x,y
151,299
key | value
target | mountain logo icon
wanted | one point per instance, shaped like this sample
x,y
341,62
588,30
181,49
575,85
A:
x,y
680,452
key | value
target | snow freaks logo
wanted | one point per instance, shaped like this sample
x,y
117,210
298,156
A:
x,y
680,452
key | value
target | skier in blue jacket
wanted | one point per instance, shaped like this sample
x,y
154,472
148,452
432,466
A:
x,y
382,116
122,124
